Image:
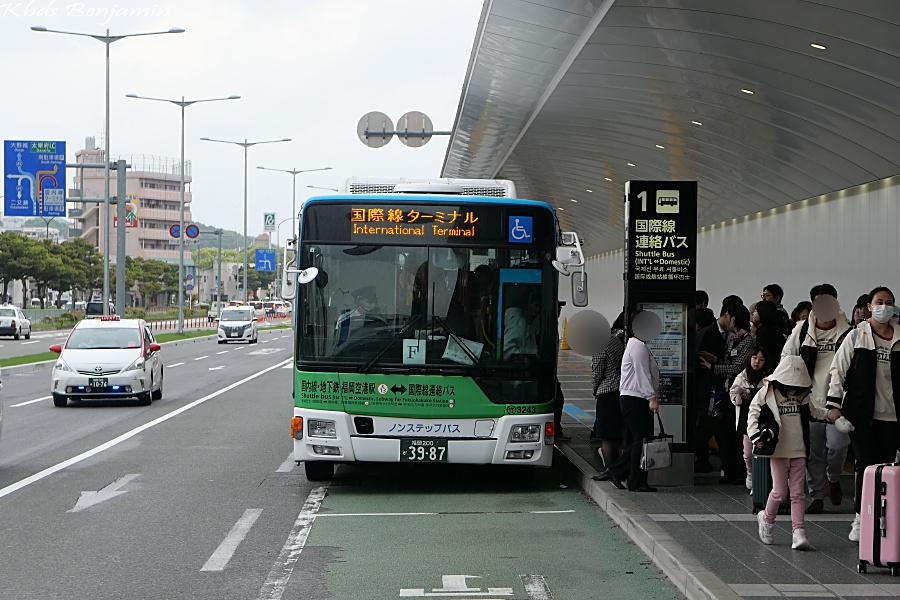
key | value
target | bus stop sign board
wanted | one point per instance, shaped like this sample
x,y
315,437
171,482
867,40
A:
x,y
34,178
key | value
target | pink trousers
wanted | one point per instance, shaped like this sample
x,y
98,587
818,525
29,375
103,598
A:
x,y
788,474
748,454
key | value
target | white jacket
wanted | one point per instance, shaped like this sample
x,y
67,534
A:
x,y
640,373
860,338
793,343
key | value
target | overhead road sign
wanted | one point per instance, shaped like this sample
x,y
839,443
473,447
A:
x,y
35,178
265,260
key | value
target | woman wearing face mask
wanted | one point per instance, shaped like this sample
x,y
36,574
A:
x,y
862,390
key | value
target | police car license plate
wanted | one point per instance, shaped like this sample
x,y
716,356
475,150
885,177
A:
x,y
98,382
423,450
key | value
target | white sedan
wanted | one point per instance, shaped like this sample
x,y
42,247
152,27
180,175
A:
x,y
14,322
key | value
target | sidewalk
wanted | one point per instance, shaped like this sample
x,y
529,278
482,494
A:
x,y
704,537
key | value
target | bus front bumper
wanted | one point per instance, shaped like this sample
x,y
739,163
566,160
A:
x,y
466,441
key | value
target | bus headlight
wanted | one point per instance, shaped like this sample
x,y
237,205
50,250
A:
x,y
322,429
525,433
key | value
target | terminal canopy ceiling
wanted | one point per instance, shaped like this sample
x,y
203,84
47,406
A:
x,y
763,103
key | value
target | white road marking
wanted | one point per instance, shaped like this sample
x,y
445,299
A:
x,y
88,499
267,351
216,368
175,365
288,465
202,357
30,401
227,548
222,352
31,342
281,571
536,587
266,341
127,435
287,366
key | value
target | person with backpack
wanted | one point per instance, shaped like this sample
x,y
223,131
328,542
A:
x,y
816,340
777,423
862,389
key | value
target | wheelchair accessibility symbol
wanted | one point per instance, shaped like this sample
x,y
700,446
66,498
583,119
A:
x,y
520,230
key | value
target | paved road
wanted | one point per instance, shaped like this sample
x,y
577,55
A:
x,y
194,497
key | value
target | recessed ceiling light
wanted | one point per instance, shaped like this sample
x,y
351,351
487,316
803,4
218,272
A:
x,y
660,147
607,178
746,91
631,164
696,122
819,46
589,191
574,200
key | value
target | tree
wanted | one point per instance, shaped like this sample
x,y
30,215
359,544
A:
x,y
13,250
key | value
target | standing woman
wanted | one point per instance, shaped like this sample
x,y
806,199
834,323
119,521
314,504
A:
x,y
639,400
864,391
770,333
606,368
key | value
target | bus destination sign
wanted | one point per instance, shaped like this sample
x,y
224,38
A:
x,y
420,223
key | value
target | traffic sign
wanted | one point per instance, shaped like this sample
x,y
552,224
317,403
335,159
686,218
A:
x,y
189,276
35,175
268,221
189,286
175,230
192,231
265,260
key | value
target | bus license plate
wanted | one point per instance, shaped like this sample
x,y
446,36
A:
x,y
98,382
423,450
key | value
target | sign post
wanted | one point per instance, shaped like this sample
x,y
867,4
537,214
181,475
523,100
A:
x,y
661,277
35,179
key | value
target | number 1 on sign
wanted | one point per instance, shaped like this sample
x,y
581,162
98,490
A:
x,y
643,197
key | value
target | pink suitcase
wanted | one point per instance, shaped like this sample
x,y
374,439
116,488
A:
x,y
879,521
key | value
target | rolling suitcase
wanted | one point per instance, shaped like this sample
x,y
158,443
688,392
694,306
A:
x,y
762,485
879,519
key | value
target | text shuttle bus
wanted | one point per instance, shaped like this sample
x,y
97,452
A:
x,y
425,330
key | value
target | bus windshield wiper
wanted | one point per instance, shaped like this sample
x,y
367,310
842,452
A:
x,y
387,346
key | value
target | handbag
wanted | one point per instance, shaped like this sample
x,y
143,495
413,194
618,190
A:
x,y
657,450
765,442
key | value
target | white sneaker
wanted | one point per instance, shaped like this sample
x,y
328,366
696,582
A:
x,y
766,533
854,530
749,481
800,542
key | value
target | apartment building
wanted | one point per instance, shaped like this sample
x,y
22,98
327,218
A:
x,y
153,194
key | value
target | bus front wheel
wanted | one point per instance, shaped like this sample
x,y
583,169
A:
x,y
319,470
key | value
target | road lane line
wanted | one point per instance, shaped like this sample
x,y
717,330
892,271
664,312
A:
x,y
281,571
287,366
222,352
31,342
202,357
175,365
30,402
129,434
229,545
288,465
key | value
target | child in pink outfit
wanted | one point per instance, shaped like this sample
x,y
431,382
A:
x,y
786,394
745,386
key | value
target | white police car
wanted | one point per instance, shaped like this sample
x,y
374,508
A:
x,y
108,357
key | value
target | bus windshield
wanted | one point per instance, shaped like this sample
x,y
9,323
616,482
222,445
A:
x,y
375,306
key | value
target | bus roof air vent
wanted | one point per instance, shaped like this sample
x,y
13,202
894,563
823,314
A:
x,y
429,187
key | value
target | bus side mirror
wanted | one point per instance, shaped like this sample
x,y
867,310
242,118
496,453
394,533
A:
x,y
579,288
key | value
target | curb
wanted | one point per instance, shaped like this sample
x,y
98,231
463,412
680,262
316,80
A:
x,y
681,567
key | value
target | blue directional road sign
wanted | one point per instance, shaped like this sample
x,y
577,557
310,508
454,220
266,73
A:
x,y
35,178
265,260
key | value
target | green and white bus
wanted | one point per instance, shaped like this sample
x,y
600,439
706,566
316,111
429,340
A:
x,y
426,326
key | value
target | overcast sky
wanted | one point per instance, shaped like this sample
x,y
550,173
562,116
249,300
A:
x,y
305,69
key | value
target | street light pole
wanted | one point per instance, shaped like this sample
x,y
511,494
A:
x,y
104,229
278,249
294,173
183,104
245,144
